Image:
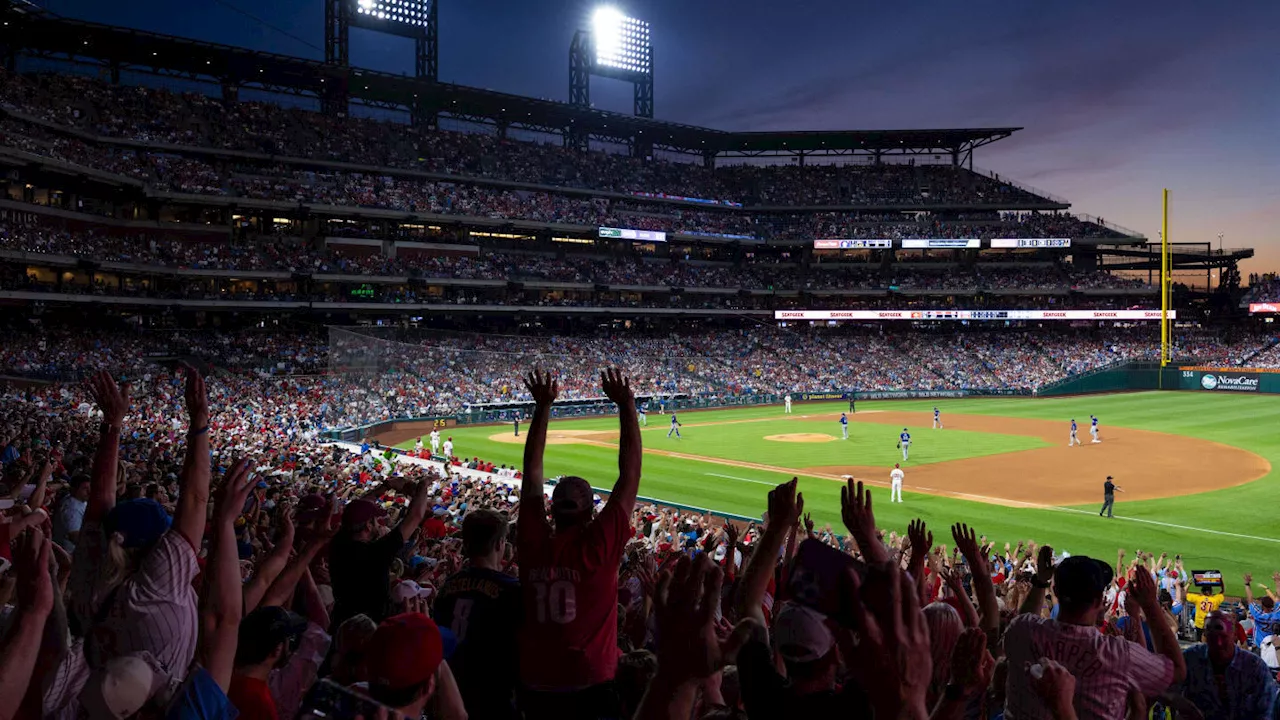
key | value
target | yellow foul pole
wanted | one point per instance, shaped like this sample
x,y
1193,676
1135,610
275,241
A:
x,y
1165,269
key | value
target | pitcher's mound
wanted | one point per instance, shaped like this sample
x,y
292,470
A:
x,y
561,437
800,438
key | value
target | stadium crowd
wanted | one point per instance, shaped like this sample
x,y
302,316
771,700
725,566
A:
x,y
193,120
170,552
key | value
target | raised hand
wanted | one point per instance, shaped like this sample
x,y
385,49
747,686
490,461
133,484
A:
x,y
855,510
971,663
31,565
1044,564
685,602
967,544
894,661
1275,579
808,523
785,504
197,397
920,537
1248,578
233,493
1143,588
542,387
617,387
108,397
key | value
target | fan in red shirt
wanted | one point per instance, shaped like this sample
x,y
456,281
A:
x,y
569,639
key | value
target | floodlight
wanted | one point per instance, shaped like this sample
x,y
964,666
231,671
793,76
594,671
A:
x,y
621,42
400,17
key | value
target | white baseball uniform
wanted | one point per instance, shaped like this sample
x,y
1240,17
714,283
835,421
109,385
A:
x,y
448,448
435,442
895,485
787,400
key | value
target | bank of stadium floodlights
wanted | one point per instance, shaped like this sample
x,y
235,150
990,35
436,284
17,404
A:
x,y
415,19
614,46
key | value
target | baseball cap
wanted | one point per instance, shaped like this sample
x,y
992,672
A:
x,y
123,686
1081,579
265,628
801,634
406,589
571,495
359,512
141,522
309,507
404,651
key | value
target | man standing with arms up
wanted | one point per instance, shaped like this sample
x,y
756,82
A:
x,y
569,568
1109,490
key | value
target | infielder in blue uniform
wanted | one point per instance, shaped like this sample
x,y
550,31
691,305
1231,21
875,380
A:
x,y
675,425
844,425
1073,440
1093,428
937,419
904,442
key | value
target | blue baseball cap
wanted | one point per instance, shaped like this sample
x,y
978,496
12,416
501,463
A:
x,y
141,522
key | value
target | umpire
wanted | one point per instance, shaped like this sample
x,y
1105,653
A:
x,y
1109,490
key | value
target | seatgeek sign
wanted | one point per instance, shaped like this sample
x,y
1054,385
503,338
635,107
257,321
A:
x,y
979,315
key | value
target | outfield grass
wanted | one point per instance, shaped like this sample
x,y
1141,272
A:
x,y
1227,529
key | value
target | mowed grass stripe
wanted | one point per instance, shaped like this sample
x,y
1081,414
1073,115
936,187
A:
x,y
1248,422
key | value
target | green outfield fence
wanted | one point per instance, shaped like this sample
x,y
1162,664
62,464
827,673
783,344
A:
x,y
1149,376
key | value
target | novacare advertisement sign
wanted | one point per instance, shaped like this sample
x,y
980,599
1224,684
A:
x,y
1230,382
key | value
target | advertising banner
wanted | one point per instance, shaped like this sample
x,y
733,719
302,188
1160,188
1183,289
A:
x,y
970,314
1230,382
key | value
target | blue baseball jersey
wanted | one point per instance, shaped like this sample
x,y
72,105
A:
x,y
844,420
936,413
673,418
1073,426
905,437
1093,422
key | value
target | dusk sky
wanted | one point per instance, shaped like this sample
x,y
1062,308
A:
x,y
1119,99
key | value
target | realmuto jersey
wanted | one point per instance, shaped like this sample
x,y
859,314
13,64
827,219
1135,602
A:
x,y
569,581
1105,668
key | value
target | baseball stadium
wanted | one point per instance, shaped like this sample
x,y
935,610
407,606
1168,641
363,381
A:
x,y
337,282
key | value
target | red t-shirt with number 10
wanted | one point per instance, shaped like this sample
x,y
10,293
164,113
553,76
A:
x,y
569,638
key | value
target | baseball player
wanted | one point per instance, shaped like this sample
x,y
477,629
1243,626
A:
x,y
904,443
937,419
642,412
448,449
844,425
675,425
787,400
895,483
1073,440
1093,428
852,402
417,447
435,442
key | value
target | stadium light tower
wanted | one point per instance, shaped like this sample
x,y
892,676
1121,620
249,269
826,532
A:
x,y
415,19
616,46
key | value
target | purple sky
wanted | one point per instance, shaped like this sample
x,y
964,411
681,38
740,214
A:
x,y
1119,99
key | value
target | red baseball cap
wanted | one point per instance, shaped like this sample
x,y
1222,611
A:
x,y
359,512
404,651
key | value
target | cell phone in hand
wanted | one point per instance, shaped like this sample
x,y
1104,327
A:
x,y
327,699
817,578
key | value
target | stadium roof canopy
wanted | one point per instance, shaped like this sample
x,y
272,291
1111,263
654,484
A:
x,y
33,32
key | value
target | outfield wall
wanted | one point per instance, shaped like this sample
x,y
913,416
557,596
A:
x,y
1149,376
